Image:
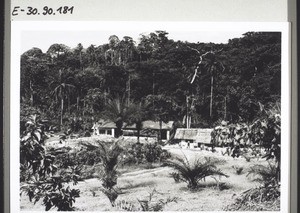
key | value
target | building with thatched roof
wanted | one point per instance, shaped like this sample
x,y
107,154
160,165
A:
x,y
198,136
149,128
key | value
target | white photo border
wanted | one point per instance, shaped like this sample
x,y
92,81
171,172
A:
x,y
18,27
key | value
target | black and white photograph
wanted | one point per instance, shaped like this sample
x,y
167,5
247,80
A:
x,y
134,116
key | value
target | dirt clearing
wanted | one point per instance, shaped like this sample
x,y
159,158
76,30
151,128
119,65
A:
x,y
138,184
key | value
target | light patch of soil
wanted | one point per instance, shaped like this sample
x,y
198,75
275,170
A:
x,y
139,183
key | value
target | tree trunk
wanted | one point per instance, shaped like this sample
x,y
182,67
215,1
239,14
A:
x,y
160,129
119,125
138,135
78,98
31,93
61,112
83,107
80,60
211,96
69,104
139,125
153,83
187,112
225,108
153,87
128,90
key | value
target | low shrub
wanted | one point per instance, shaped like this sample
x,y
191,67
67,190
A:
x,y
145,153
193,173
152,152
136,153
83,157
89,157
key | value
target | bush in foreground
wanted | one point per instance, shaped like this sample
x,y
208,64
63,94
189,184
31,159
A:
x,y
109,154
266,197
39,173
257,199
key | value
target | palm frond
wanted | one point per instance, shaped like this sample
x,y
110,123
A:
x,y
192,173
264,174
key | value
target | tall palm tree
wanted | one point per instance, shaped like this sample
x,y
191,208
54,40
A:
x,y
212,65
138,117
119,112
126,48
78,52
112,54
61,91
91,55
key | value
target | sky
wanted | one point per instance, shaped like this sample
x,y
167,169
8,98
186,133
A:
x,y
44,39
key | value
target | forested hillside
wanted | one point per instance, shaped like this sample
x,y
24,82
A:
x,y
196,84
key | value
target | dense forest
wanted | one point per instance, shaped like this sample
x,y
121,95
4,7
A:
x,y
195,84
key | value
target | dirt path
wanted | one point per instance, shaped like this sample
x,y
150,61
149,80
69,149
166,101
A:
x,y
145,172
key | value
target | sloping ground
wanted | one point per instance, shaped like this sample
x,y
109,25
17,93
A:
x,y
138,184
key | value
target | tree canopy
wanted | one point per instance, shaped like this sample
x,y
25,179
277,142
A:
x,y
204,82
